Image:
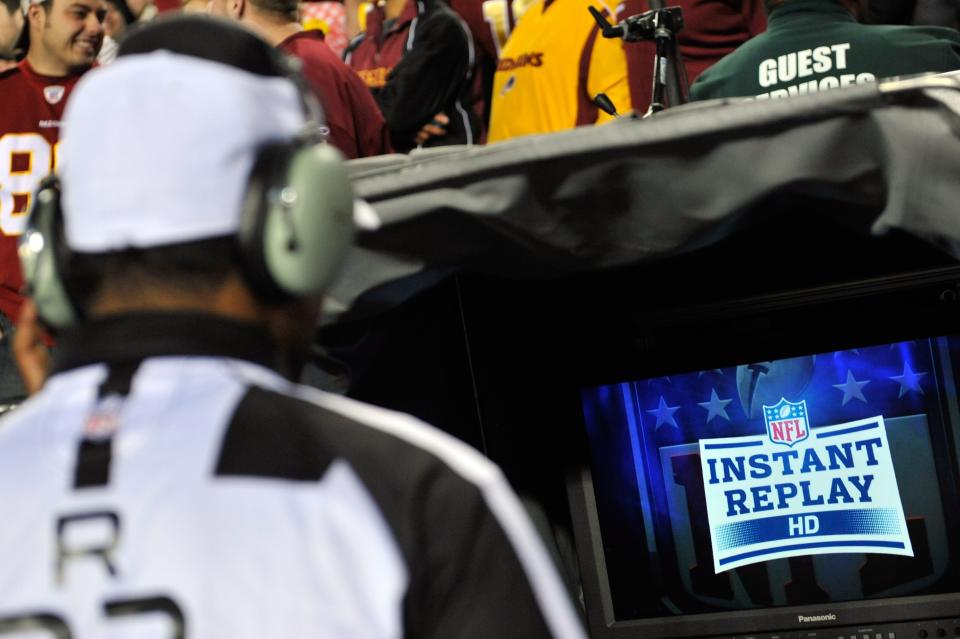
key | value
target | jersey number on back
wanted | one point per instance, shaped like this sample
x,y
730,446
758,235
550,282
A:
x,y
85,537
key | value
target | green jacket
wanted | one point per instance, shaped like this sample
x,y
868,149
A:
x,y
814,45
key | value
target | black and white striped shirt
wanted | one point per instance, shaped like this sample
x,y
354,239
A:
x,y
167,482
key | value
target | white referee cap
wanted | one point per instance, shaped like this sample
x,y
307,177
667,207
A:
x,y
157,148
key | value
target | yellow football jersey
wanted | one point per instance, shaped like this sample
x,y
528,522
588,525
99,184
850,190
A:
x,y
551,69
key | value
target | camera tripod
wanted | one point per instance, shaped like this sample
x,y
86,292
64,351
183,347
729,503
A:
x,y
660,24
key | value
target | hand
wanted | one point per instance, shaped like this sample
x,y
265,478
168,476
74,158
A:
x,y
433,129
7,64
29,349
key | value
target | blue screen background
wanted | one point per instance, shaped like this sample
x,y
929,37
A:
x,y
653,541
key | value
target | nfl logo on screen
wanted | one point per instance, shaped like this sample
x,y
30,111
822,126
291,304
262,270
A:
x,y
786,422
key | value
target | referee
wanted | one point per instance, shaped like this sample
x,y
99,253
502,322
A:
x,y
169,480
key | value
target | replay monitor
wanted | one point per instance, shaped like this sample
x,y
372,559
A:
x,y
778,469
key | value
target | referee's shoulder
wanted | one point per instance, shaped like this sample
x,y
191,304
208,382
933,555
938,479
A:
x,y
299,431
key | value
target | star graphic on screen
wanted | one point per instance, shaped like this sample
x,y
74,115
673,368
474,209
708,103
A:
x,y
665,378
715,406
852,389
664,414
909,381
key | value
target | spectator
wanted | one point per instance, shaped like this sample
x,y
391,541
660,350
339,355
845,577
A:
x,y
115,23
118,17
63,39
552,69
814,45
11,24
417,58
355,124
179,474
943,13
123,15
143,11
355,17
490,22
891,11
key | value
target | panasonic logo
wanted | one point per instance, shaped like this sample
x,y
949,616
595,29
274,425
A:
x,y
816,618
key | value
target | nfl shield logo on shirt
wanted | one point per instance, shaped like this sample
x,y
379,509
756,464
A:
x,y
786,422
105,418
53,94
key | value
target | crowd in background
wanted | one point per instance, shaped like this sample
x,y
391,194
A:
x,y
402,74
452,71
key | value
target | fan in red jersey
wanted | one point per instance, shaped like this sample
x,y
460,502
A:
x,y
64,38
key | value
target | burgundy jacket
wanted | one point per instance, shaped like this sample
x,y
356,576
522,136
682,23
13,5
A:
x,y
357,127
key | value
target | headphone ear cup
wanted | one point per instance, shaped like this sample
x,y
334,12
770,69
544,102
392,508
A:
x,y
298,220
42,251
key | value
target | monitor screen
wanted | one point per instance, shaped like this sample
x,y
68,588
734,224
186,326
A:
x,y
811,484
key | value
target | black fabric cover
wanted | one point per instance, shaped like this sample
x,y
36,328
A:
x,y
637,191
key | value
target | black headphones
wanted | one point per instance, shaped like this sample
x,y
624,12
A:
x,y
297,218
